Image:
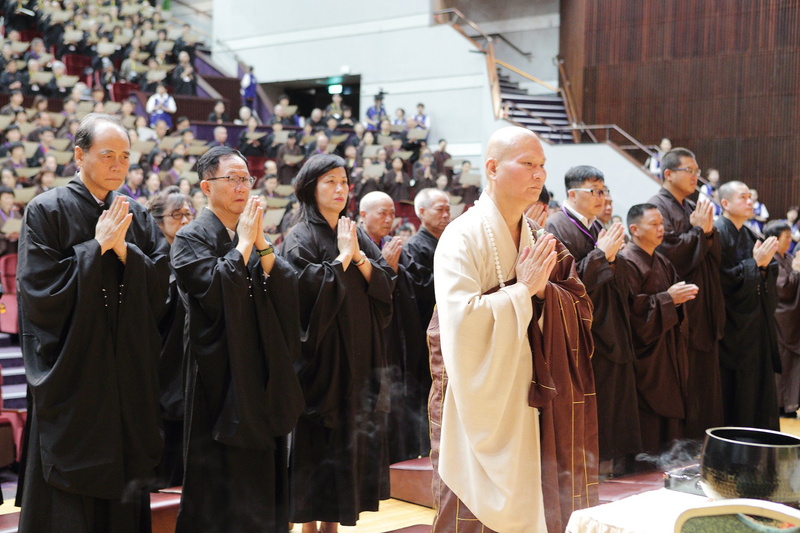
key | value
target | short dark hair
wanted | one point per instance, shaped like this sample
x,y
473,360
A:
x,y
636,213
5,190
576,176
672,159
726,190
84,137
209,161
773,228
544,196
305,184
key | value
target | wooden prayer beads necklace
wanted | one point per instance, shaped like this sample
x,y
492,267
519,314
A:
x,y
490,233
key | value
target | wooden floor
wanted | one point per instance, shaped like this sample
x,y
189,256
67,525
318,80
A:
x,y
393,514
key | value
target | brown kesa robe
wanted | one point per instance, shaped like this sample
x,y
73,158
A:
x,y
696,259
613,361
568,424
787,316
659,339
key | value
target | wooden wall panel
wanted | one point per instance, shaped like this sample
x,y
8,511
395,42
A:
x,y
720,77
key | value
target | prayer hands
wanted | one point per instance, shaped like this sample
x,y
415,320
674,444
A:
x,y
538,213
764,251
682,292
703,215
346,238
250,227
611,240
112,226
391,252
535,263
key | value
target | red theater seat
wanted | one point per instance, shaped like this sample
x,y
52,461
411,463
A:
x,y
8,277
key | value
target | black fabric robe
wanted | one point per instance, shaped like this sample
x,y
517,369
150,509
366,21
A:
x,y
171,371
420,249
409,371
613,360
242,396
787,318
339,464
659,338
748,352
90,341
696,259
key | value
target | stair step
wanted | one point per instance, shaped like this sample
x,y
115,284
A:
x,y
534,98
15,391
512,91
548,115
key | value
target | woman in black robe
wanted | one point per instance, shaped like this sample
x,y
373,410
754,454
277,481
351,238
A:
x,y
339,459
171,210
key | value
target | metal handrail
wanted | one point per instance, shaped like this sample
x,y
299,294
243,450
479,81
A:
x,y
459,15
503,38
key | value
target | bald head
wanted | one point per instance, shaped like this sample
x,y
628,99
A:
x,y
505,139
377,213
730,189
514,170
372,200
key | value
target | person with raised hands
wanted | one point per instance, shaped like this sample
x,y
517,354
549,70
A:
x,y
243,336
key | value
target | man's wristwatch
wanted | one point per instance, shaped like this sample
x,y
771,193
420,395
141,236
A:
x,y
266,251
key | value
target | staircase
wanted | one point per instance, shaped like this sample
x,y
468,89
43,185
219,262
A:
x,y
540,113
14,385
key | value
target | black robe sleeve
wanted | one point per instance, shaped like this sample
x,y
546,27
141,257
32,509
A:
x,y
242,346
91,342
322,369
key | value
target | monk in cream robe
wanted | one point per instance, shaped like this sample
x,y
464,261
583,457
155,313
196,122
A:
x,y
487,450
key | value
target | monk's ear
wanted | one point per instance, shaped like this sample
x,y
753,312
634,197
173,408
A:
x,y
205,186
633,230
491,167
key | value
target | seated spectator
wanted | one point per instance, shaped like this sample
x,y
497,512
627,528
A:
x,y
760,214
219,115
8,211
44,181
14,104
244,116
184,80
186,43
287,170
424,173
385,129
16,156
152,184
134,183
8,178
397,183
12,135
316,119
399,117
334,109
271,143
185,186
161,106
278,115
347,120
251,147
357,139
220,137
107,76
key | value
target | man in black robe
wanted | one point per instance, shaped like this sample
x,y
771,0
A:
x,y
693,247
659,330
595,251
92,277
242,395
406,345
433,209
748,352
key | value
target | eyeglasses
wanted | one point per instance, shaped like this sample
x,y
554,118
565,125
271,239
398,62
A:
x,y
179,215
246,181
695,171
597,193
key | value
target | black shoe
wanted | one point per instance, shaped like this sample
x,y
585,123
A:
x,y
791,414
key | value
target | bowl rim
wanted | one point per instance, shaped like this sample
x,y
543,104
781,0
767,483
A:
x,y
709,433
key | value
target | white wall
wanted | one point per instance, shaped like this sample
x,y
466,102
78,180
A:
x,y
392,45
